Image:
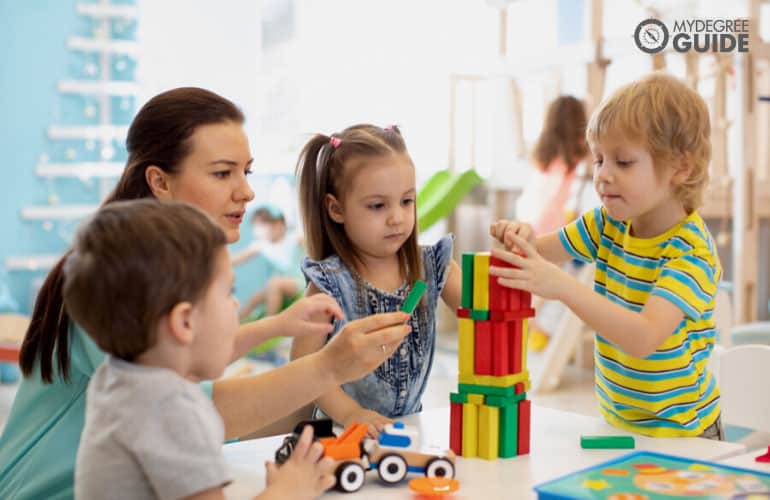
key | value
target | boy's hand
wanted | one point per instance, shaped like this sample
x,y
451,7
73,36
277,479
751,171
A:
x,y
534,273
363,345
304,475
504,231
310,316
375,421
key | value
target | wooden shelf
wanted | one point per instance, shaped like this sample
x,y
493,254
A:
x,y
108,132
31,262
82,170
58,212
116,11
96,87
93,45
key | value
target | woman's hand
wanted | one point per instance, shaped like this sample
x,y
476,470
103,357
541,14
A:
x,y
531,273
310,316
504,231
364,344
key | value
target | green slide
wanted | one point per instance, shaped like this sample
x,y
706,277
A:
x,y
441,194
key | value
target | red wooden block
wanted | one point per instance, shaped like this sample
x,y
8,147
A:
x,y
519,388
526,300
511,315
482,361
498,294
463,312
764,458
525,409
456,428
500,348
515,341
514,299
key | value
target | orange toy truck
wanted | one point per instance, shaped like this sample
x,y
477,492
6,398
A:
x,y
393,454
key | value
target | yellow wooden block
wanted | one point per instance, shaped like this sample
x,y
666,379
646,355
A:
x,y
489,432
504,381
470,430
465,345
476,399
524,338
481,281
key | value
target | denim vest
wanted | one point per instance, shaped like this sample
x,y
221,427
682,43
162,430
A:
x,y
395,387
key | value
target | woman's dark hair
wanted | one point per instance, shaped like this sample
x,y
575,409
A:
x,y
563,134
159,135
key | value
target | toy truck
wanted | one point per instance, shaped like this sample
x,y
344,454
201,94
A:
x,y
393,454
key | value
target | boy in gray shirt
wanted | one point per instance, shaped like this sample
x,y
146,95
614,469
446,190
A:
x,y
151,283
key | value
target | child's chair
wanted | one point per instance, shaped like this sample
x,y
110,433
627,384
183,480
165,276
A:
x,y
742,374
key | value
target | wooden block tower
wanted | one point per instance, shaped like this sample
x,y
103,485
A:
x,y
490,413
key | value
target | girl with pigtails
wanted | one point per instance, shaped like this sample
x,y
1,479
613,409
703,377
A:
x,y
357,201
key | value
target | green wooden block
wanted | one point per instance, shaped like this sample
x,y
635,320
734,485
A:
x,y
486,390
455,397
509,431
607,442
504,401
466,300
414,297
479,315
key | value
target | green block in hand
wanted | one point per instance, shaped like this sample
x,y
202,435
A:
x,y
414,297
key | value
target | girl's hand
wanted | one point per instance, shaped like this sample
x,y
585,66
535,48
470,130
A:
x,y
310,316
363,416
532,272
305,475
504,231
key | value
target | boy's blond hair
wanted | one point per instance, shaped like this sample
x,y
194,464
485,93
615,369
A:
x,y
668,118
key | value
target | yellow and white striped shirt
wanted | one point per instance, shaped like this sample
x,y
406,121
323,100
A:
x,y
671,392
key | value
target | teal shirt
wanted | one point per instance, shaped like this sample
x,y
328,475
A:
x,y
41,438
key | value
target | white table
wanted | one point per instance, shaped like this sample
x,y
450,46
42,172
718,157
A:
x,y
555,451
747,461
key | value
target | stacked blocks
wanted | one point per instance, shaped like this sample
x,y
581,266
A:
x,y
490,413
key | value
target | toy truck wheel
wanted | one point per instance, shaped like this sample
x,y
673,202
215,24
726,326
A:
x,y
350,477
392,468
440,467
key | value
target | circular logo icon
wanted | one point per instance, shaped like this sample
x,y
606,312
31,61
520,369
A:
x,y
651,36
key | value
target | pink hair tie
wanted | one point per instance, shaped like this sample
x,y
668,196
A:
x,y
390,128
335,142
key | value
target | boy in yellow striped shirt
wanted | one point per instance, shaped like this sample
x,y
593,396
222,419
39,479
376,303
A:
x,y
656,263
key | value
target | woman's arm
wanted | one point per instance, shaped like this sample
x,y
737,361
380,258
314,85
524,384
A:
x,y
335,403
250,403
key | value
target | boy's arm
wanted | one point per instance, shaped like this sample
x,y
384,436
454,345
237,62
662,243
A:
x,y
552,249
638,334
452,293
